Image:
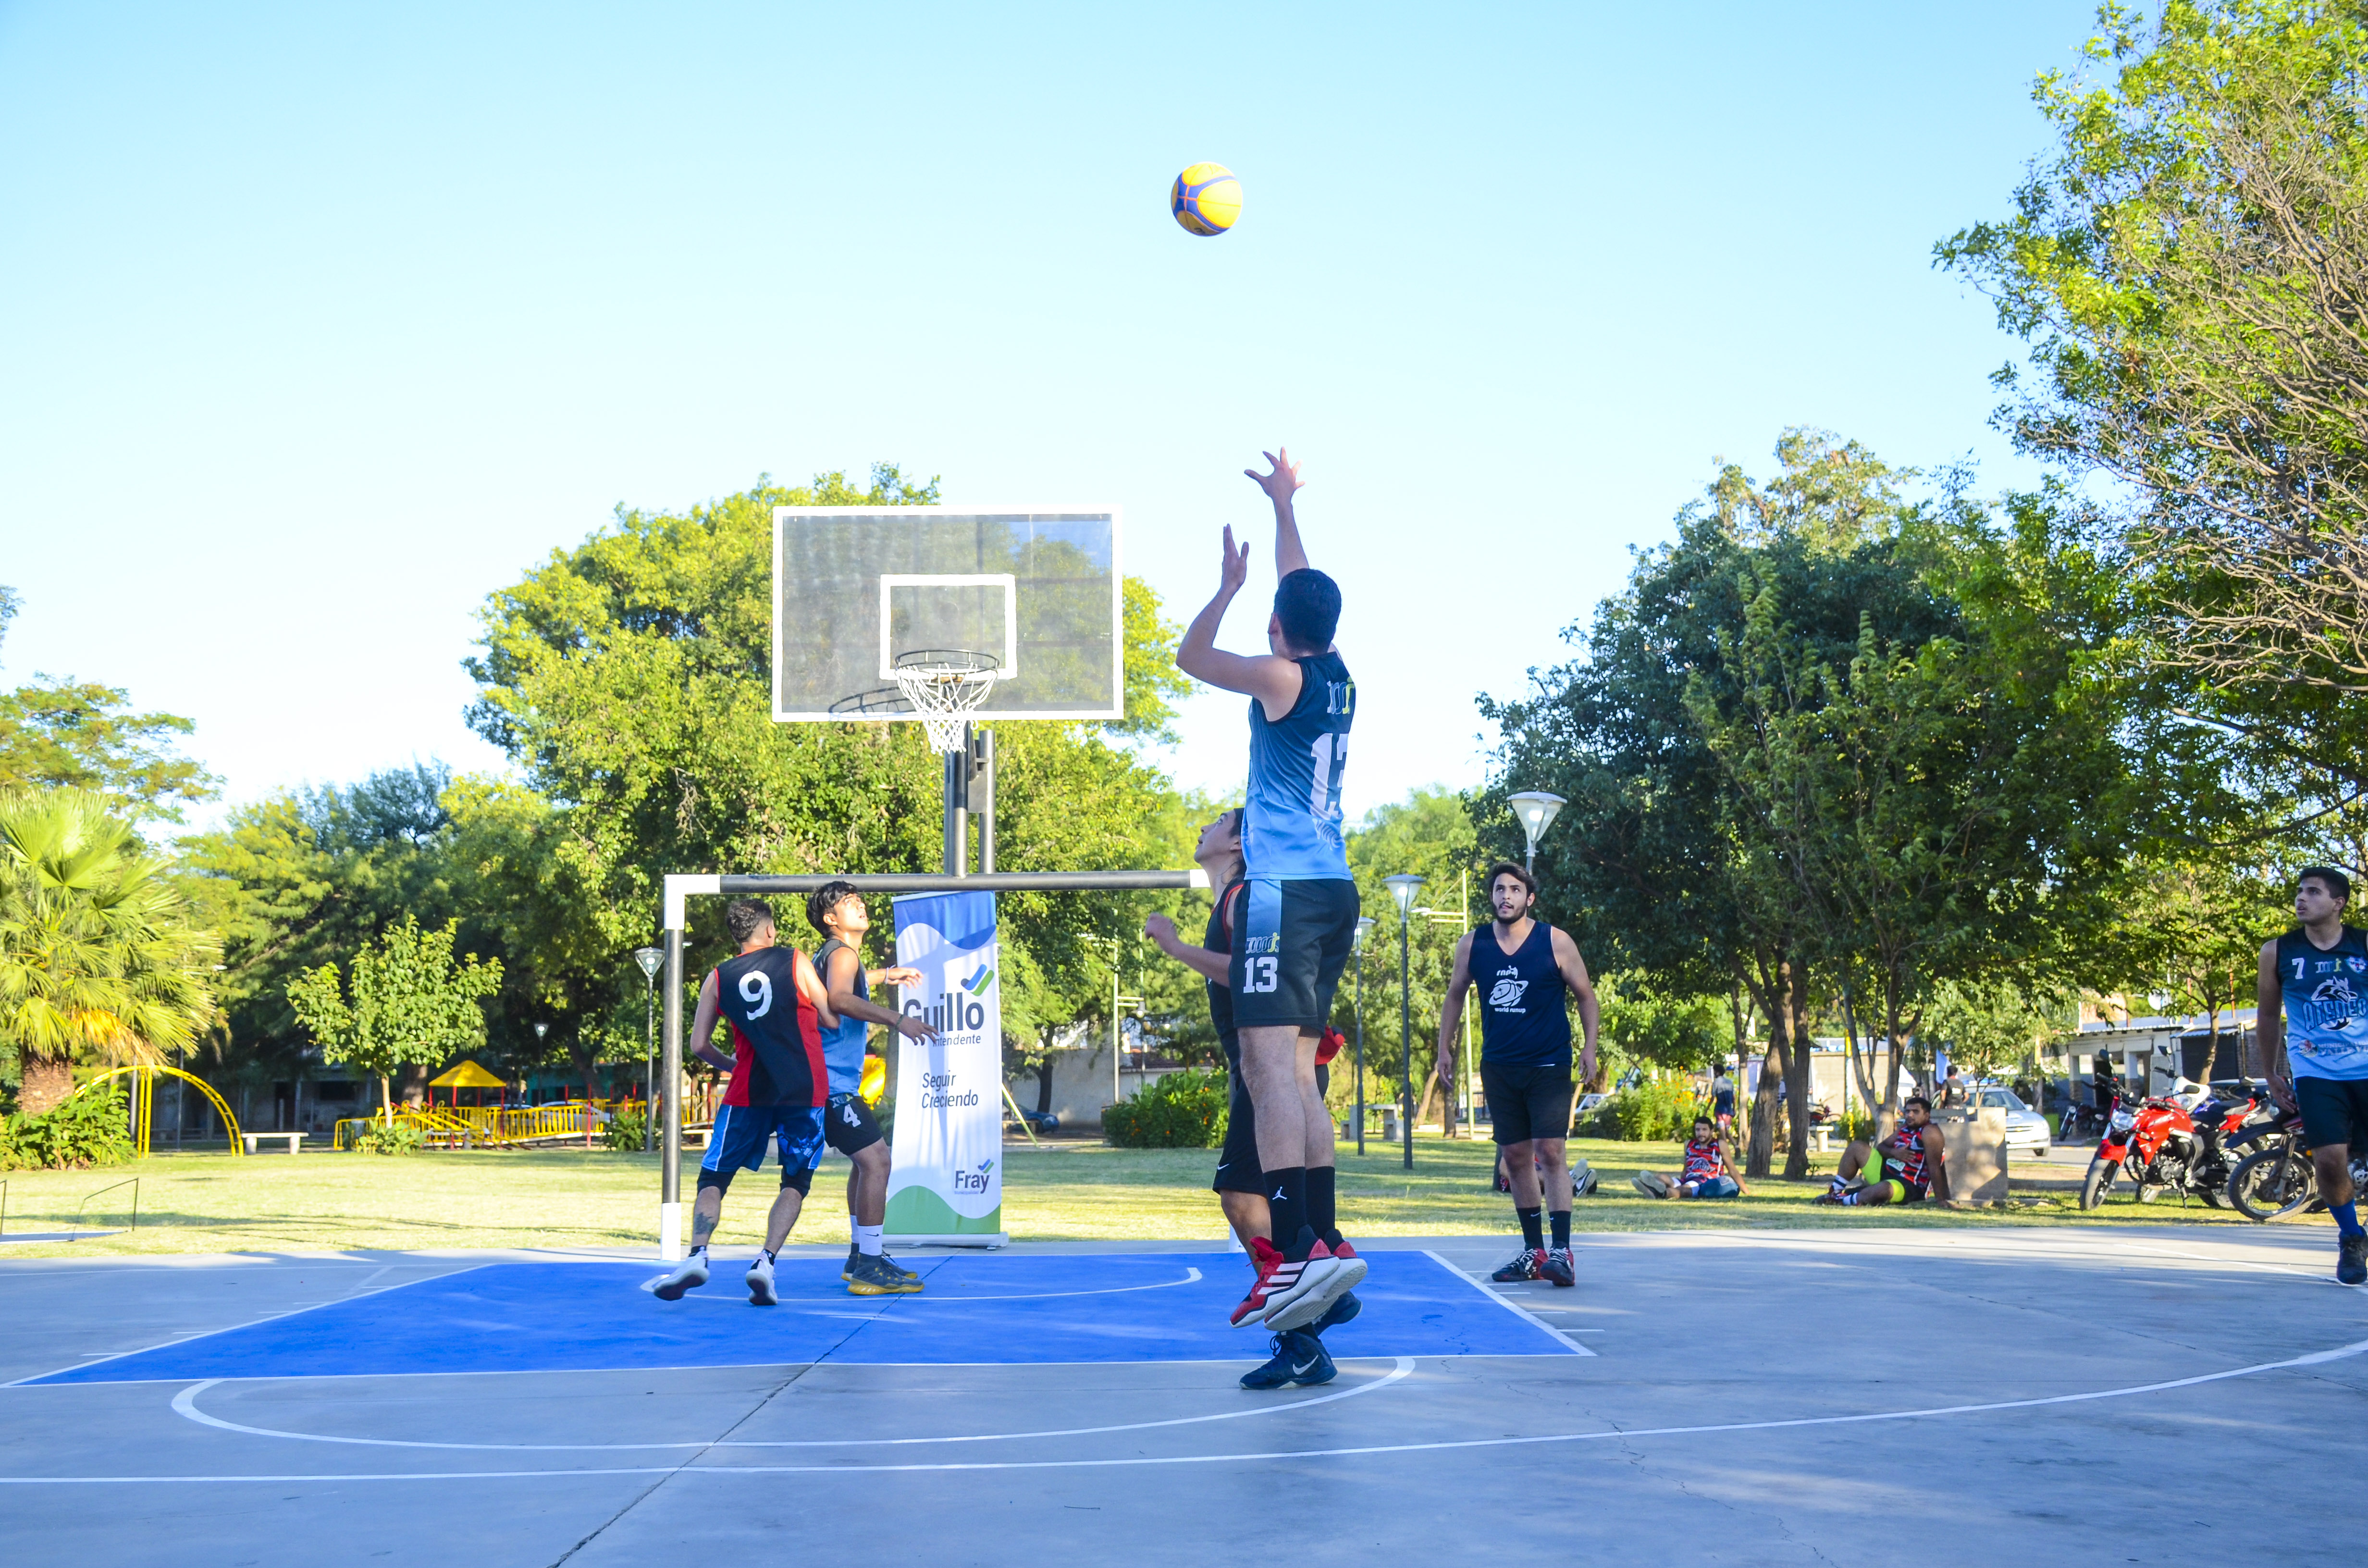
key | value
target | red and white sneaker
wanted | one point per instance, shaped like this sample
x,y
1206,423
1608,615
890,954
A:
x,y
1324,1278
1273,1273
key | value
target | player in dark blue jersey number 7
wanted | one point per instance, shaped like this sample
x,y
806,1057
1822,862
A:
x,y
1291,940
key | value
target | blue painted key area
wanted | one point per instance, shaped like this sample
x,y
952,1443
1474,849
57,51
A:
x,y
977,1309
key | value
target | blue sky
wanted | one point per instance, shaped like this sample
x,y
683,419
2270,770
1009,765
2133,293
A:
x,y
318,324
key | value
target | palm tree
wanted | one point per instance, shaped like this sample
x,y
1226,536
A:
x,y
98,961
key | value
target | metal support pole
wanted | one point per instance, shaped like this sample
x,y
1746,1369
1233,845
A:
x,y
982,775
1361,1052
957,808
670,1148
649,1065
1406,1045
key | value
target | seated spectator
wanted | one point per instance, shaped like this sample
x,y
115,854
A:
x,y
1709,1172
1906,1167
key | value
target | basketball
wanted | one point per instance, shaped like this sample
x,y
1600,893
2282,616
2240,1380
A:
x,y
1207,200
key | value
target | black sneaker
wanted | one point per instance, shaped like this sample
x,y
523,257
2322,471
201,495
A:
x,y
1299,1358
873,1278
892,1266
1341,1312
1524,1267
847,1271
1557,1268
2352,1260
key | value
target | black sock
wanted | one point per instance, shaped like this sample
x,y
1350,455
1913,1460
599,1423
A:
x,y
1286,1202
1562,1228
1532,1235
697,1248
1320,1216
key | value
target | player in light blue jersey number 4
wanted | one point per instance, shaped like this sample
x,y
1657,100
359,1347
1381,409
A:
x,y
2314,1001
1292,938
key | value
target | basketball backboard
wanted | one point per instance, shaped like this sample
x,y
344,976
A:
x,y
1040,593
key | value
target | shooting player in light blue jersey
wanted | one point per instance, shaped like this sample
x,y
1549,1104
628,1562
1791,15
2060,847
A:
x,y
2312,992
1300,911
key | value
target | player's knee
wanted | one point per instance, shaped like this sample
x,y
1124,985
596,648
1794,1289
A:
x,y
800,1181
872,1158
716,1182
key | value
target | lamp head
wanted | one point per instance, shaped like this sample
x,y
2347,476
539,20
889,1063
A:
x,y
541,1028
2160,999
1401,887
1537,810
649,959
1365,923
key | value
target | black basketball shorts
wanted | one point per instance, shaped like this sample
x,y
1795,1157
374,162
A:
x,y
1238,1162
1290,942
1527,1102
2334,1110
848,1124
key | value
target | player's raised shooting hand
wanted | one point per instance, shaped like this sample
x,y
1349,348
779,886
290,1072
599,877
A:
x,y
1280,483
1236,568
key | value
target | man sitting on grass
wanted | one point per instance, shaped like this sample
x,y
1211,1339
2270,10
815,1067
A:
x,y
1906,1167
1709,1172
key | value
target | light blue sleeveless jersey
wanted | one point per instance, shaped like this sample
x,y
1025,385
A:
x,y
1292,829
842,1052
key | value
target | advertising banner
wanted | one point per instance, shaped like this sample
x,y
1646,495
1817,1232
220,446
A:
x,y
946,1184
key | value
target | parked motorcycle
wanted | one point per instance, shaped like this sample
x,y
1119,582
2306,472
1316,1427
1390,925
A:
x,y
2225,1125
2155,1143
2277,1179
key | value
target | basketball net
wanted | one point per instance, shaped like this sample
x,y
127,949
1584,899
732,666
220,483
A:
x,y
944,696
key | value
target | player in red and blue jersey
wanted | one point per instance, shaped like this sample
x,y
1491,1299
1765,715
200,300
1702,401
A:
x,y
1292,936
1909,1167
2314,1001
778,1009
1708,1170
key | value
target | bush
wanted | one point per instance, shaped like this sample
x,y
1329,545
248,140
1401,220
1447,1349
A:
x,y
380,1137
1657,1110
1857,1124
1183,1110
88,1130
624,1132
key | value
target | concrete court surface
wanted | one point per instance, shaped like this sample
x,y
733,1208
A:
x,y
2091,1394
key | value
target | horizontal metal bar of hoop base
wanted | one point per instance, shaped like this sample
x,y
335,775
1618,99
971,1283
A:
x,y
1000,881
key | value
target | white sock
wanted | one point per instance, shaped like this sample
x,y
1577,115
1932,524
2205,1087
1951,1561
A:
x,y
867,1238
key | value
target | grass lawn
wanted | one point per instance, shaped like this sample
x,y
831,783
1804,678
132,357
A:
x,y
326,1202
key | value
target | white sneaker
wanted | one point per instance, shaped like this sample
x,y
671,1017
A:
x,y
1323,1280
688,1275
760,1283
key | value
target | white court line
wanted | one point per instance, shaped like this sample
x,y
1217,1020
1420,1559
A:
x,y
267,1317
2316,1358
185,1403
1191,1277
1519,1311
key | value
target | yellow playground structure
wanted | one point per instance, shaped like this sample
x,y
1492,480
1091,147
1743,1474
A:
x,y
490,1127
143,1102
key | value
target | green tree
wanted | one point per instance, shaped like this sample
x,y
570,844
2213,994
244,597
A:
x,y
98,959
1988,1027
2191,267
411,1002
78,735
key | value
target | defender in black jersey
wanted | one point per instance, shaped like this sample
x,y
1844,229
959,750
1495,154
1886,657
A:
x,y
1240,1185
778,1009
1292,930
1524,968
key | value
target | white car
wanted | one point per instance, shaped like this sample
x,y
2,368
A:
x,y
2025,1128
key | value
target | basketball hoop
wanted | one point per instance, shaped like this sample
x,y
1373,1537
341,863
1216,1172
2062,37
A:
x,y
945,686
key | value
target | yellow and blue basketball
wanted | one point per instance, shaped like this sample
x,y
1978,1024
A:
x,y
1207,200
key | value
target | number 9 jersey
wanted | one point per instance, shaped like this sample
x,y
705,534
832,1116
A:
x,y
776,1033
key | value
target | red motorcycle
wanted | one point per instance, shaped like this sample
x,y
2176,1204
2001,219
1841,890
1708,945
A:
x,y
2156,1139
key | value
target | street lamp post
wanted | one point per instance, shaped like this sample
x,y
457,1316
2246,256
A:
x,y
1401,887
650,959
1357,949
1537,811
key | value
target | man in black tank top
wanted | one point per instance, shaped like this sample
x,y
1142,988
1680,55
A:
x,y
1523,968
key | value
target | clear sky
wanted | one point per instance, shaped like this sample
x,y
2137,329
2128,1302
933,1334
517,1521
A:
x,y
317,323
